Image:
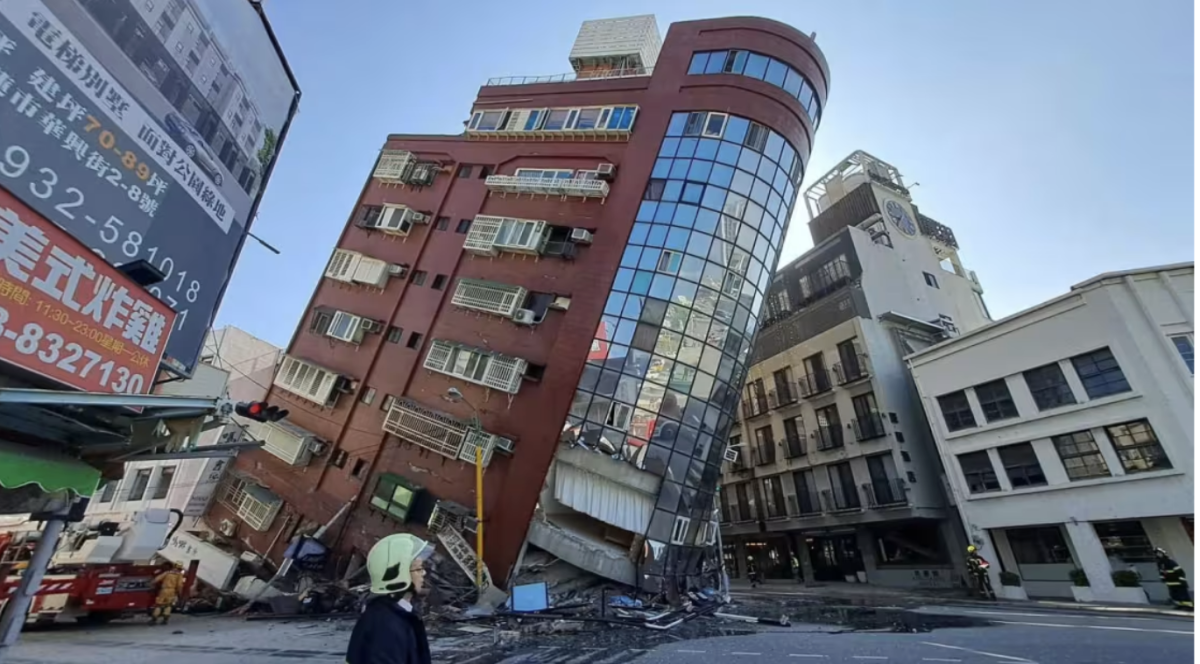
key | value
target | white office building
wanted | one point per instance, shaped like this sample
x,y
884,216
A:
x,y
1066,431
233,362
836,466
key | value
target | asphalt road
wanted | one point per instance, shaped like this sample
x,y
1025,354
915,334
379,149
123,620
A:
x,y
1013,637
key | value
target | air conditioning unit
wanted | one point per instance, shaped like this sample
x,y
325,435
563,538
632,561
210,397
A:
x,y
731,455
504,445
606,172
228,527
399,220
422,174
581,236
524,317
371,326
317,447
398,270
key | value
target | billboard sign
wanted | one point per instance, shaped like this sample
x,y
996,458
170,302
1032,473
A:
x,y
146,130
69,316
206,486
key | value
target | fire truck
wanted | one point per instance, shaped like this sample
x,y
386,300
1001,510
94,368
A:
x,y
98,573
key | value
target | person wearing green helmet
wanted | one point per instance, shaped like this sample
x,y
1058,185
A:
x,y
389,630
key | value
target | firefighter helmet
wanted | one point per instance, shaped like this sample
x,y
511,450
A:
x,y
389,562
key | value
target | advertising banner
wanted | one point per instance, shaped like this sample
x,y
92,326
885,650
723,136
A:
x,y
67,315
146,129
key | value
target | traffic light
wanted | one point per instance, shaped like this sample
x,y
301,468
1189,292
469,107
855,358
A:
x,y
260,411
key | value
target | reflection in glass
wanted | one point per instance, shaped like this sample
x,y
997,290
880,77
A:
x,y
665,370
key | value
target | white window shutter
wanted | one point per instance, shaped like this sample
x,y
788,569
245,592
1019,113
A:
x,y
371,271
482,236
438,358
516,120
342,265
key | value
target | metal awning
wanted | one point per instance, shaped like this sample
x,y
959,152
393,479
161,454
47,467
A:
x,y
22,465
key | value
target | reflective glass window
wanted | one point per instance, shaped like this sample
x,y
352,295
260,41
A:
x,y
756,66
776,73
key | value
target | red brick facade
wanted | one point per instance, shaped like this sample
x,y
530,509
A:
x,y
534,417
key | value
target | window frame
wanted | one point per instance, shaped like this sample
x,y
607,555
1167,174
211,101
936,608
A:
x,y
1021,468
395,482
958,422
679,529
706,132
1163,461
1188,355
1109,381
1056,390
982,474
1002,404
1075,453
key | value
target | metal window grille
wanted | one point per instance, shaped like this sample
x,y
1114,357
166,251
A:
x,y
481,237
394,165
488,296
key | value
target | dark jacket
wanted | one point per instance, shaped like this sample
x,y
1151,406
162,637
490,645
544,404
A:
x,y
387,633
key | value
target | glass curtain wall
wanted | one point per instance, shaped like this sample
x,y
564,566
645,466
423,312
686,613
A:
x,y
669,357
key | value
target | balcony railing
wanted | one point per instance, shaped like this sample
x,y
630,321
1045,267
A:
x,y
829,438
868,426
839,500
885,492
814,383
852,368
594,75
794,446
583,187
778,398
754,407
764,453
807,503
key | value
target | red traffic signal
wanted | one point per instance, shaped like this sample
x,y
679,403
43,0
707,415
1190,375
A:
x,y
260,411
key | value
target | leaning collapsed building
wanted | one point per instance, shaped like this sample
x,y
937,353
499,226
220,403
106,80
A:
x,y
571,286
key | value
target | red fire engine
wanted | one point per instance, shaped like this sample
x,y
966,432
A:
x,y
97,574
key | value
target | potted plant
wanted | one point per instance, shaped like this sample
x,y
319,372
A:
x,y
1128,587
1010,586
1081,588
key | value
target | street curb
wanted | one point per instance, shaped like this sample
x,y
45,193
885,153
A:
x,y
1069,608
1051,607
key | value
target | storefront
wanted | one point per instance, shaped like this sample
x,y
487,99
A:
x,y
770,556
836,558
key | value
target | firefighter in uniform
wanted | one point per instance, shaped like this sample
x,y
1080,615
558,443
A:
x,y
977,568
1175,579
168,582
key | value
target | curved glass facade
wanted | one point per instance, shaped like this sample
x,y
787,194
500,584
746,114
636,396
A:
x,y
763,68
669,357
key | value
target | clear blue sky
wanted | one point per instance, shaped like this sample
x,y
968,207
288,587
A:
x,y
1055,138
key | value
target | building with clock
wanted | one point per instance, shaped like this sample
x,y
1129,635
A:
x,y
834,473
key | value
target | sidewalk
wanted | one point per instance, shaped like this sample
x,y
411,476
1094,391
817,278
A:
x,y
867,595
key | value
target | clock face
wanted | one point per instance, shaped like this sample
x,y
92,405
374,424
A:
x,y
900,217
